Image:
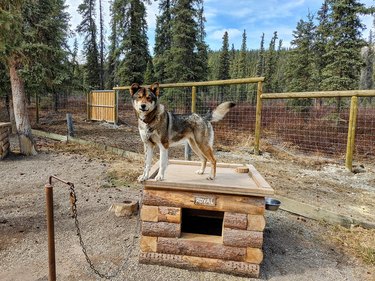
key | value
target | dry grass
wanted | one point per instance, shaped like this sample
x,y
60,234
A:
x,y
356,241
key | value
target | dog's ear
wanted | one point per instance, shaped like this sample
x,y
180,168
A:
x,y
155,88
134,88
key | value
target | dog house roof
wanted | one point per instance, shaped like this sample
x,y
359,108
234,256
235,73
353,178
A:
x,y
181,175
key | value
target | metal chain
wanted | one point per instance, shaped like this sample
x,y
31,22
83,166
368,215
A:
x,y
73,200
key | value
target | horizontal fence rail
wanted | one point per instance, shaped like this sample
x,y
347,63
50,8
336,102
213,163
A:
x,y
308,122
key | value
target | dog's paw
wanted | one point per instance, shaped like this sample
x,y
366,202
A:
x,y
159,177
142,178
199,172
210,178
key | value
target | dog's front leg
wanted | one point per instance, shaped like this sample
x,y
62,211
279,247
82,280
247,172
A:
x,y
163,163
148,162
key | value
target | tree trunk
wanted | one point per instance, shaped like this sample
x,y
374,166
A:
x,y
20,111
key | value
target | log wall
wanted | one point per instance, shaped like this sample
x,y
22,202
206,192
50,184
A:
x,y
237,251
4,139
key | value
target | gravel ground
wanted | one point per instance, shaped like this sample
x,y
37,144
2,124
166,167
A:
x,y
295,248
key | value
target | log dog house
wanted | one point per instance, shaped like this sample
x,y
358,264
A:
x,y
193,223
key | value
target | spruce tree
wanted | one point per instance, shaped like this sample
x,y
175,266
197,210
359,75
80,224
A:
x,y
367,71
242,68
182,65
101,45
87,27
260,62
301,62
113,59
133,42
163,40
343,47
223,73
201,68
149,74
270,65
223,65
32,43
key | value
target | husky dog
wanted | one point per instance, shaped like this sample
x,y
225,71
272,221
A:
x,y
165,129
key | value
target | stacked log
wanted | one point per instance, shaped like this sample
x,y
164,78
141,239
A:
x,y
4,139
237,251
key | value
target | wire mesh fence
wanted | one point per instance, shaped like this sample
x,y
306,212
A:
x,y
316,127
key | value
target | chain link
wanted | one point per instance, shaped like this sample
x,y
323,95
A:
x,y
73,200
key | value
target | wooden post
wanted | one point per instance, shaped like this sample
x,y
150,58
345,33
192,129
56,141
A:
x,y
258,118
193,110
88,108
351,132
37,107
69,123
116,107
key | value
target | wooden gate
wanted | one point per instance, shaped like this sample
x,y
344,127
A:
x,y
102,106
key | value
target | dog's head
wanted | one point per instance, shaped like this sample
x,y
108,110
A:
x,y
144,98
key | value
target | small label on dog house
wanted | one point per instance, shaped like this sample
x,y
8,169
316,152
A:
x,y
205,200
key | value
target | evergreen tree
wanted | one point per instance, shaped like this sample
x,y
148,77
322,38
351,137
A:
x,y
33,48
113,59
242,68
223,65
163,40
260,63
300,63
101,45
321,40
182,65
223,73
343,47
133,42
202,53
270,65
149,74
367,71
87,27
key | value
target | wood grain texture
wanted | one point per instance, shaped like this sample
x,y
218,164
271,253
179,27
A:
x,y
179,246
254,255
148,244
256,222
161,229
187,262
149,213
169,214
242,238
235,220
227,203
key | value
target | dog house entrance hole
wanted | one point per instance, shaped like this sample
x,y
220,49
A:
x,y
202,222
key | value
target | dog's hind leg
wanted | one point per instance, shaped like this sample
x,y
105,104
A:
x,y
163,163
197,151
149,151
209,155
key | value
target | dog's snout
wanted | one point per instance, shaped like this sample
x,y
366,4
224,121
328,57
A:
x,y
143,106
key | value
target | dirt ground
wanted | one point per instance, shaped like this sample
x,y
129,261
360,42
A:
x,y
295,248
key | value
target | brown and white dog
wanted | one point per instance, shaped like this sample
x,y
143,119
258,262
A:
x,y
165,129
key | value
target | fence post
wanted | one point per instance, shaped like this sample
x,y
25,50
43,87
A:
x,y
116,107
193,110
351,133
88,108
37,107
258,118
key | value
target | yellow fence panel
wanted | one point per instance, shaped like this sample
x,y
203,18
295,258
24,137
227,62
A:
x,y
102,106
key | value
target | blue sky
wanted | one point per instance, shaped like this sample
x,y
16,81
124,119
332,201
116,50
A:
x,y
234,16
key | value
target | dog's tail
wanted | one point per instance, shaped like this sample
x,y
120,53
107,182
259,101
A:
x,y
220,111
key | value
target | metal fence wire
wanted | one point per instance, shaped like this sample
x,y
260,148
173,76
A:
x,y
314,126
